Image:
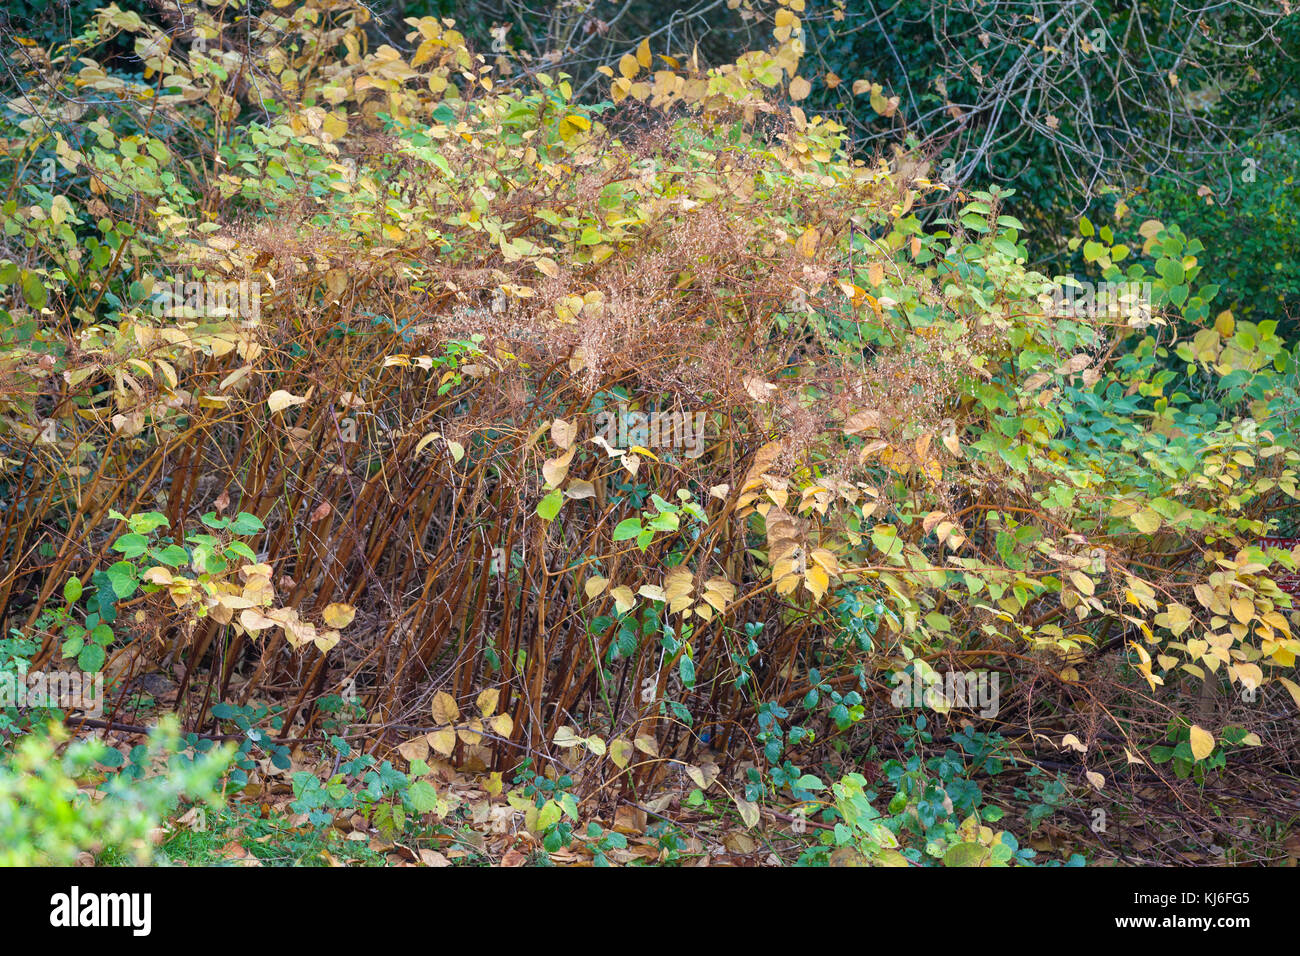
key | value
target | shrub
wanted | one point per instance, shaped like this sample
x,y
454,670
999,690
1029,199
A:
x,y
416,323
49,814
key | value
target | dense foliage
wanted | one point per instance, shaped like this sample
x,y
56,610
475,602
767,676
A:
x,y
653,438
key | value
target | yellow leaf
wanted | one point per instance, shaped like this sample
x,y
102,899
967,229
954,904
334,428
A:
x,y
862,420
424,442
554,469
643,53
1292,689
595,585
416,749
279,400
799,88
624,601
628,66
1202,742
1083,583
254,621
703,777
1243,609
620,751
324,640
444,708
1071,741
1146,521
1249,674
487,701
443,740
816,580
806,244
471,733
566,737
339,615
748,812
562,433
158,575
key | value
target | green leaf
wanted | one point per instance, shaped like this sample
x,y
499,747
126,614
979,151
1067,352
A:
x,y
34,290
122,576
173,556
144,523
91,658
72,590
131,545
569,804
242,550
965,854
246,524
549,815
627,528
667,521
422,796
549,506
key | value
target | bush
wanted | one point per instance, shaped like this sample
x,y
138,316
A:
x,y
49,813
626,414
